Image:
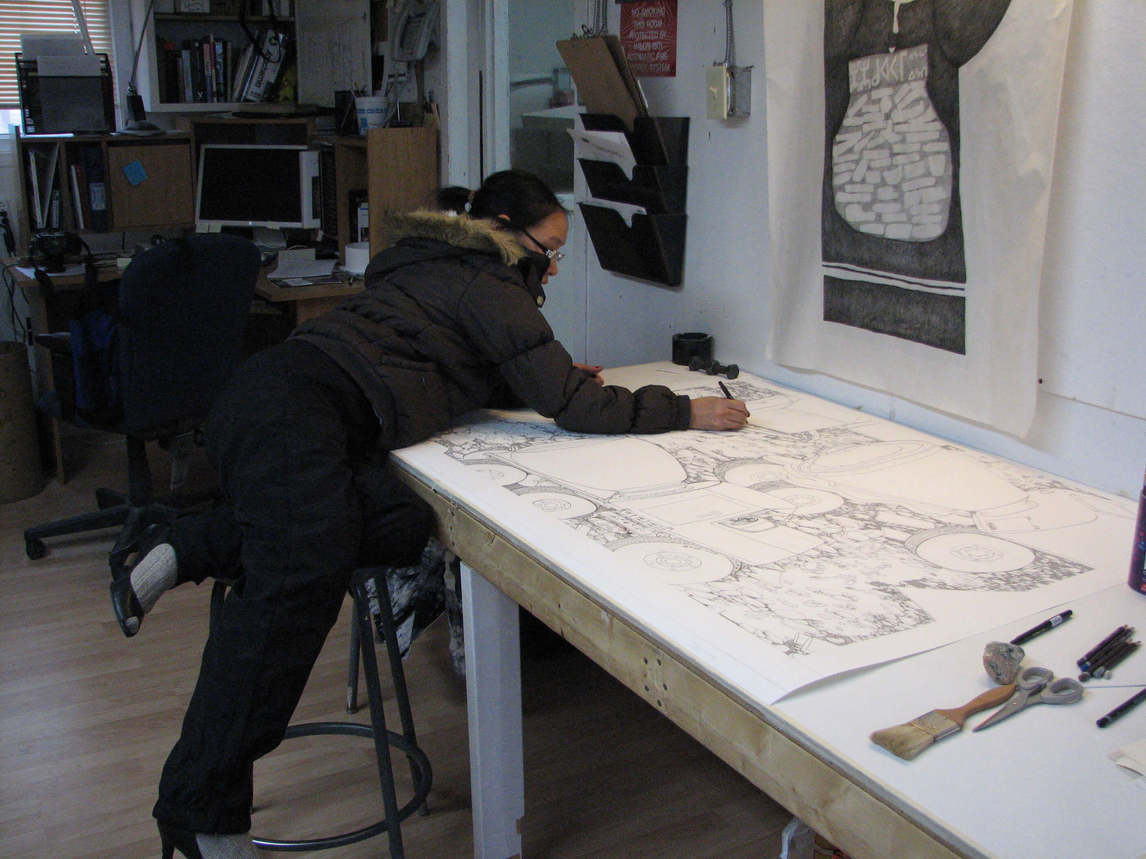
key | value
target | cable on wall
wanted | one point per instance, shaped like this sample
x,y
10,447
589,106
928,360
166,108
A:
x,y
728,87
729,37
600,22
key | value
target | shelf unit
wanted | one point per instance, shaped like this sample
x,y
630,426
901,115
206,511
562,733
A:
x,y
124,182
396,167
176,27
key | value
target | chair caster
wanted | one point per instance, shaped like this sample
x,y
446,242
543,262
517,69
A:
x,y
34,548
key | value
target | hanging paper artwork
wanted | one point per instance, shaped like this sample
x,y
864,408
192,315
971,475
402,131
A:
x,y
915,268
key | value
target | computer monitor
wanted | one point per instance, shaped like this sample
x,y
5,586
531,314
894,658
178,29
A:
x,y
246,185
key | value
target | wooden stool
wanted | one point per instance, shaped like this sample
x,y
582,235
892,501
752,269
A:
x,y
362,642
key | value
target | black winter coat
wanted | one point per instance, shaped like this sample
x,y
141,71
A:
x,y
448,322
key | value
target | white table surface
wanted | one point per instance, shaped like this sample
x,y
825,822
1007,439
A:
x,y
1039,784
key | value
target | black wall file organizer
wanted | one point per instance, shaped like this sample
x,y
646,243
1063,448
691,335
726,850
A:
x,y
652,247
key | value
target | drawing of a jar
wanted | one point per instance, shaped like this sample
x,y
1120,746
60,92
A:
x,y
892,170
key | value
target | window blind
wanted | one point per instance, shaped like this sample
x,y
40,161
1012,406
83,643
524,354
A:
x,y
44,16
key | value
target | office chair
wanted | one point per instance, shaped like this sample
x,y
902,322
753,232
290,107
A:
x,y
178,334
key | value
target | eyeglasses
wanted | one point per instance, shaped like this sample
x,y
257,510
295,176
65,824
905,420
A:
x,y
550,254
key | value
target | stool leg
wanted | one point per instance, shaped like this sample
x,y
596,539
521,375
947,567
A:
x,y
396,670
352,670
378,716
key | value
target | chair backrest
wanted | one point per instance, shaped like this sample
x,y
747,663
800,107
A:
x,y
183,306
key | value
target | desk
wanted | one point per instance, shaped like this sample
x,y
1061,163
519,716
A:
x,y
45,314
1039,784
305,302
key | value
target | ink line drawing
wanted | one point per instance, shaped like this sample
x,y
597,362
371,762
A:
x,y
815,527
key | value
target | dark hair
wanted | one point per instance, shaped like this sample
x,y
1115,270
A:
x,y
453,198
521,196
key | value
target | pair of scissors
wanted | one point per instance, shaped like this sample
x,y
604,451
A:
x,y
1036,686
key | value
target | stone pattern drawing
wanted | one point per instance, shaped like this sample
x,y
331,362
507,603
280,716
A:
x,y
891,158
892,233
815,527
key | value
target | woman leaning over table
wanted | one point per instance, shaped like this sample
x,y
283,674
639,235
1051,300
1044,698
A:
x,y
449,321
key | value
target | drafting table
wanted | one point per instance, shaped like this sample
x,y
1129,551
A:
x,y
1037,784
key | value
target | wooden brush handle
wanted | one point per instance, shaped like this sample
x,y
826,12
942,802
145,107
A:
x,y
988,699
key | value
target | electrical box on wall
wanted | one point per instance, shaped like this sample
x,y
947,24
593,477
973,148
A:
x,y
717,91
728,91
739,90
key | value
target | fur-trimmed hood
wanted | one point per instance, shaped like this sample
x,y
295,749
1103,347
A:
x,y
460,231
414,238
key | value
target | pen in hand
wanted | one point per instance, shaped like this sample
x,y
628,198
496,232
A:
x,y
724,388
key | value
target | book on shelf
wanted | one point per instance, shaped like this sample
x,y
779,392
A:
x,y
170,74
186,78
34,183
207,58
266,67
78,189
242,71
42,179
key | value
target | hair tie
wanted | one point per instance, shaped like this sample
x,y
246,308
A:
x,y
467,206
470,201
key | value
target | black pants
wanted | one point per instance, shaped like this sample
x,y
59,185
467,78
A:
x,y
295,444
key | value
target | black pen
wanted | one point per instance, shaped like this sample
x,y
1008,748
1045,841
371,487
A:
x,y
1122,709
1048,624
724,388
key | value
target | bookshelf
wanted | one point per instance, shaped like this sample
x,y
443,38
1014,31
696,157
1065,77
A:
x,y
105,183
205,61
396,167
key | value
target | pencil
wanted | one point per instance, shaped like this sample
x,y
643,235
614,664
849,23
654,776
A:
x,y
1090,654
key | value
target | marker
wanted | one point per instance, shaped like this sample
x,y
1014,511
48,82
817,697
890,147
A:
x,y
1122,709
724,388
1046,625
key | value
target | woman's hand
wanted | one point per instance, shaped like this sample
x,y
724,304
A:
x,y
717,413
593,371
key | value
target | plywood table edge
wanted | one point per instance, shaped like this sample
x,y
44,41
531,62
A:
x,y
844,808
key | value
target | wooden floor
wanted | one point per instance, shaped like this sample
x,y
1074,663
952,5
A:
x,y
87,718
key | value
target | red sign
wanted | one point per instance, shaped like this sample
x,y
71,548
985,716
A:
x,y
648,35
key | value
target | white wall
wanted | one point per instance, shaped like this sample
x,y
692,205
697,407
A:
x,y
1089,425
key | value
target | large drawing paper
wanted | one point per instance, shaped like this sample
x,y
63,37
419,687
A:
x,y
817,540
910,156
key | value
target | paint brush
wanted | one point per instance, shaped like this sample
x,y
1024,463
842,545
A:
x,y
908,740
